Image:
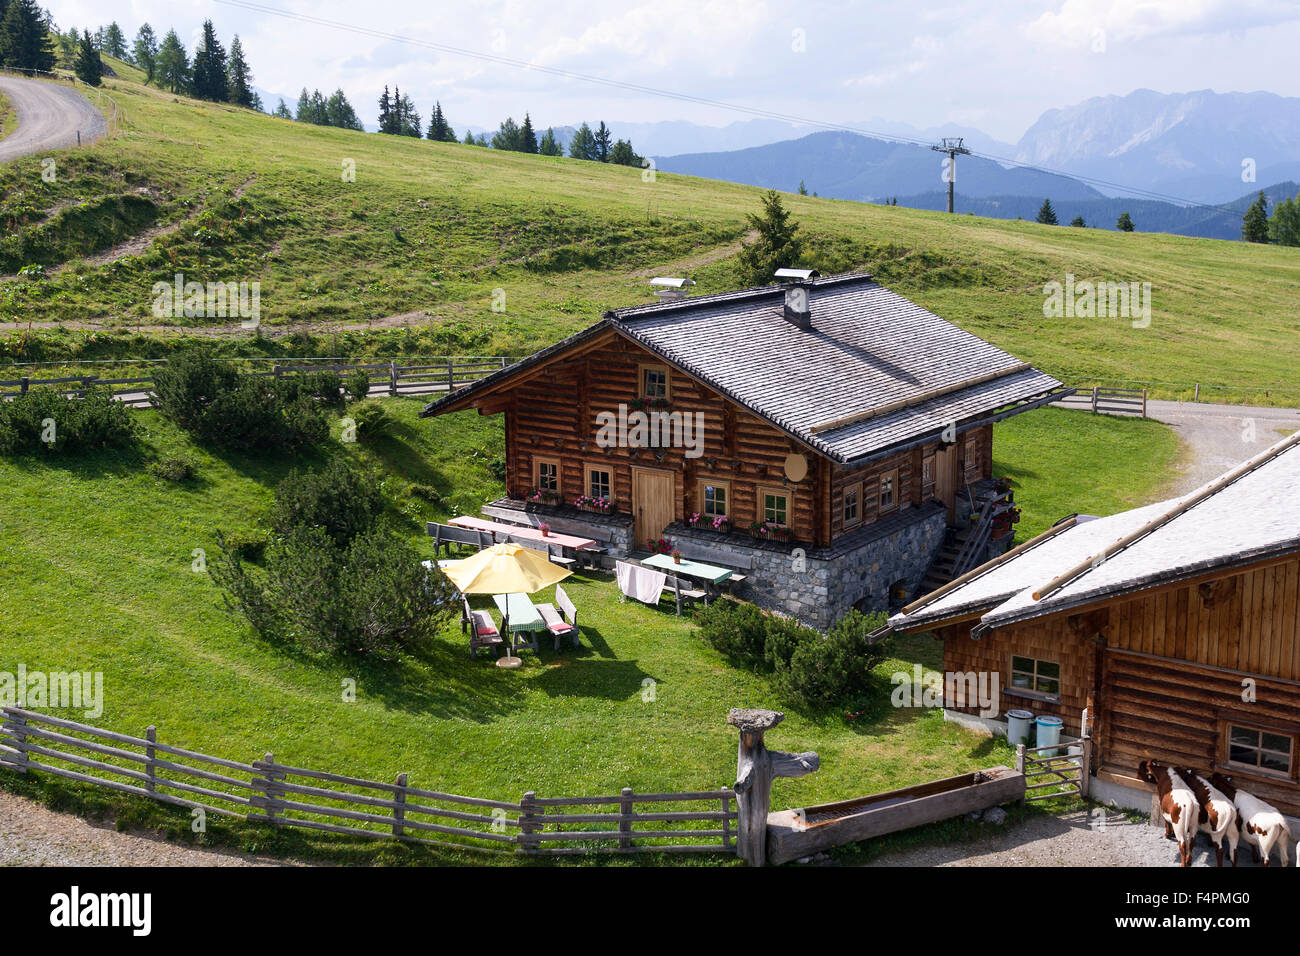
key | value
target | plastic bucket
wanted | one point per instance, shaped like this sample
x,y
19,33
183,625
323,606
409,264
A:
x,y
1018,724
1049,733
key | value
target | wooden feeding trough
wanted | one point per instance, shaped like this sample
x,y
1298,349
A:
x,y
792,834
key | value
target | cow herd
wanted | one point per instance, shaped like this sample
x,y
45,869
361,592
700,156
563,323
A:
x,y
1192,804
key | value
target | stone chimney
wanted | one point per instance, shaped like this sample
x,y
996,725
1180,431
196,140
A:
x,y
798,295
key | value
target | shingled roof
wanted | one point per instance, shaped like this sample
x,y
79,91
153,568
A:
x,y
874,371
1248,514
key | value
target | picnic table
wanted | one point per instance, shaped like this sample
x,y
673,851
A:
x,y
520,617
711,574
573,542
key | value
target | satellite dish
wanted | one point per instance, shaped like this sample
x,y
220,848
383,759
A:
x,y
796,467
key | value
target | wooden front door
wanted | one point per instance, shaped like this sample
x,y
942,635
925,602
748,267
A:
x,y
652,503
945,479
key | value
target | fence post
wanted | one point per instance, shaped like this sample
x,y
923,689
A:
x,y
399,812
270,792
726,817
451,376
275,370
1094,399
527,822
151,735
1144,403
1085,768
1197,396
20,758
392,379
23,384
624,824
756,769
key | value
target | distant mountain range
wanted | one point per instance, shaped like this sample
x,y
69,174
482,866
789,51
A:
x,y
1190,145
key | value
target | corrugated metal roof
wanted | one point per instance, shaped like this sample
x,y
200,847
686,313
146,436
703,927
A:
x,y
1257,515
885,369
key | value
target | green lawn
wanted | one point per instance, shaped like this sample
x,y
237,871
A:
x,y
431,231
8,117
96,574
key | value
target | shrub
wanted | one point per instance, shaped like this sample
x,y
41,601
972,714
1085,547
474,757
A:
x,y
358,384
221,406
246,545
426,492
371,597
823,671
737,631
173,469
71,424
371,418
336,499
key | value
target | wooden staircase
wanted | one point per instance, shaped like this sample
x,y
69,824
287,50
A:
x,y
968,545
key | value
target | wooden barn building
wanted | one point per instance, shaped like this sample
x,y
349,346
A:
x,y
826,430
1177,625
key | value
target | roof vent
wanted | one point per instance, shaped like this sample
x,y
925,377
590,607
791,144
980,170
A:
x,y
667,287
798,312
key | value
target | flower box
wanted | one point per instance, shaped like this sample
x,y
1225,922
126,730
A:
x,y
719,523
769,531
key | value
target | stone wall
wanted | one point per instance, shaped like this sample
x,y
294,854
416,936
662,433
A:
x,y
820,585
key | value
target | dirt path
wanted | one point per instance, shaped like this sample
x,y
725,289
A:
x,y
1071,839
1217,437
31,835
49,117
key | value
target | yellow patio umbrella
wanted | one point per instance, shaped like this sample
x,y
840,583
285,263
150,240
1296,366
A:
x,y
504,569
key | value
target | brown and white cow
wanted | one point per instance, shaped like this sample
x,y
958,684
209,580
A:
x,y
1218,816
1261,825
1177,804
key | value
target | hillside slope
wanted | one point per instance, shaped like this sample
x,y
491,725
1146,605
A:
x,y
438,234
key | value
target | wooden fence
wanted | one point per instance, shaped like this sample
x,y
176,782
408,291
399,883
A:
x,y
387,378
276,794
1108,401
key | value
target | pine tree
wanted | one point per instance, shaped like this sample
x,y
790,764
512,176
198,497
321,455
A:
x,y
778,245
282,112
209,76
1124,223
624,155
173,66
385,111
410,117
89,67
803,188
239,79
583,144
145,51
115,41
339,112
1046,214
1254,225
469,139
25,38
602,143
1078,221
507,136
1284,227
527,136
549,146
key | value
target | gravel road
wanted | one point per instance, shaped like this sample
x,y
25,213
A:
x,y
1071,839
1220,436
49,117
31,835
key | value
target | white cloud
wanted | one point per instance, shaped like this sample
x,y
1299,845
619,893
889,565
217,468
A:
x,y
1077,22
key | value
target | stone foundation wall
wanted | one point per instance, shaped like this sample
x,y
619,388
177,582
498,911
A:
x,y
820,585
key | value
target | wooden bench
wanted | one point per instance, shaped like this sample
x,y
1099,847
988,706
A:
x,y
447,535
552,551
593,556
725,559
562,622
683,590
483,631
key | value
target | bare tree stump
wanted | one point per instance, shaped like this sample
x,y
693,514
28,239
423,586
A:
x,y
756,768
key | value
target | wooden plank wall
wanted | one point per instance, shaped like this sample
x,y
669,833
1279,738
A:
x,y
1051,640
554,412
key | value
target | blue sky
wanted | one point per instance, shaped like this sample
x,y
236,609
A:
x,y
992,64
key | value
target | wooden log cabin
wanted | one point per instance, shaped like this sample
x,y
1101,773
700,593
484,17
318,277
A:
x,y
827,432
1175,625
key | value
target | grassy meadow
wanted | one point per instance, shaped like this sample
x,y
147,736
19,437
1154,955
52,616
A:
x,y
98,574
408,256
